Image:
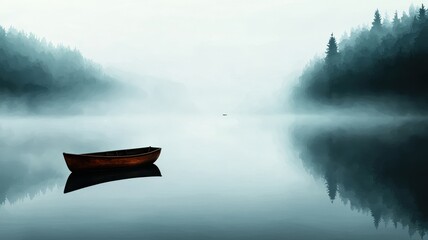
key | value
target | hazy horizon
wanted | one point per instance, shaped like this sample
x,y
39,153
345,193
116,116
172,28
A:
x,y
227,54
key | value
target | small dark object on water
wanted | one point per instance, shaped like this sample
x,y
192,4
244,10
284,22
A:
x,y
224,114
111,159
79,180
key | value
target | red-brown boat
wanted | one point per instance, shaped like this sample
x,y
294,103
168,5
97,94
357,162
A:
x,y
111,159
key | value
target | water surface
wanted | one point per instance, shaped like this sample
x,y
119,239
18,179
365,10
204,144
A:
x,y
235,177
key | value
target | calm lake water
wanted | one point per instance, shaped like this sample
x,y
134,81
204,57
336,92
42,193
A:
x,y
234,177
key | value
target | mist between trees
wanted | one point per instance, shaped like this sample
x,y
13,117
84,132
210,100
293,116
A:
x,y
37,76
384,64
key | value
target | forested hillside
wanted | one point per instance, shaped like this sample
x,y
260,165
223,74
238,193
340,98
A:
x,y
35,75
386,63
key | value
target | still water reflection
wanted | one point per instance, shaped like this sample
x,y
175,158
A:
x,y
222,178
375,169
81,180
21,175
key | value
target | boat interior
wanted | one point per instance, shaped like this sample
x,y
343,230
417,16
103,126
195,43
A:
x,y
125,152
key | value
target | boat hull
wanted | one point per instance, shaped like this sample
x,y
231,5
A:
x,y
111,159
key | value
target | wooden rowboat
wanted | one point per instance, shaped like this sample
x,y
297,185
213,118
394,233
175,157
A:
x,y
79,180
111,159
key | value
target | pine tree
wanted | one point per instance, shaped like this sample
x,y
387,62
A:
x,y
405,19
422,14
376,214
412,10
331,186
332,49
415,24
421,233
2,32
377,22
395,21
386,21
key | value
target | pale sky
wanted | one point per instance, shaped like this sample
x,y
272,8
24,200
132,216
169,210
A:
x,y
224,51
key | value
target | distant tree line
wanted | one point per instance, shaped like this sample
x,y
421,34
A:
x,y
34,73
389,60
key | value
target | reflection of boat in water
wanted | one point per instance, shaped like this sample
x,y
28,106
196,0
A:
x,y
112,159
78,180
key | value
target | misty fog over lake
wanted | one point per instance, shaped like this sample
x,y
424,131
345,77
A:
x,y
277,119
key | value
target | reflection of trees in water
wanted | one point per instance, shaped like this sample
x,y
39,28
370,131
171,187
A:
x,y
30,162
31,159
18,181
382,171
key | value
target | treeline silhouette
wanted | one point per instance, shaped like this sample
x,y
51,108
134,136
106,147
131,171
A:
x,y
377,170
18,181
34,73
387,61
